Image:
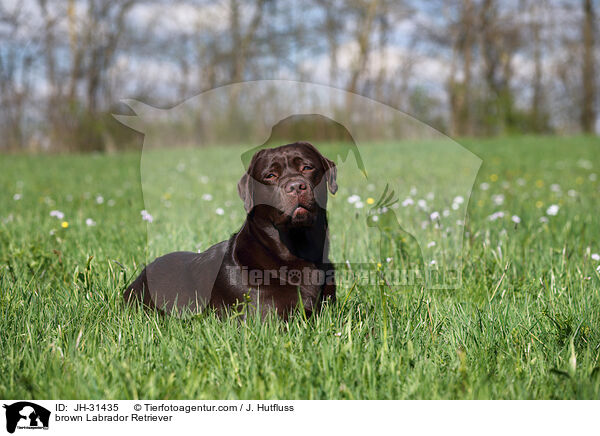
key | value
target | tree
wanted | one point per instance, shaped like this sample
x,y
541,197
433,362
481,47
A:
x,y
462,35
588,111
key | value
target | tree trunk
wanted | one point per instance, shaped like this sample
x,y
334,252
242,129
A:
x,y
364,46
536,100
588,112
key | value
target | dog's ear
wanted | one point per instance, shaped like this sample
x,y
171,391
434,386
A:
x,y
330,173
245,191
246,183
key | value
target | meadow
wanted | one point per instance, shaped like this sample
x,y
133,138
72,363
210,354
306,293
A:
x,y
525,324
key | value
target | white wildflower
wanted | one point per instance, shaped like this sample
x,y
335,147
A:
x,y
408,202
553,210
516,219
220,211
146,216
353,199
90,222
57,214
496,215
207,197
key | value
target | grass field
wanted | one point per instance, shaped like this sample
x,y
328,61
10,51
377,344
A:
x,y
524,325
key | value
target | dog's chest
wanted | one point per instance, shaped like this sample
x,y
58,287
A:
x,y
279,290
284,298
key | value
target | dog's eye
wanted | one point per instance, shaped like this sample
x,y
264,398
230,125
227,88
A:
x,y
307,168
270,176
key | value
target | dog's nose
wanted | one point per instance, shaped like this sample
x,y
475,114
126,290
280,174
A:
x,y
294,187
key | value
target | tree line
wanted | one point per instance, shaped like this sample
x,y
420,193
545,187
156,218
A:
x,y
465,67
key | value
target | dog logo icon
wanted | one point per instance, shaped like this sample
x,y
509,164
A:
x,y
26,415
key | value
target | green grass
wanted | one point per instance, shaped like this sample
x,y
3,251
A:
x,y
525,324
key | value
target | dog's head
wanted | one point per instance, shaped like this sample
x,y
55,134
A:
x,y
288,184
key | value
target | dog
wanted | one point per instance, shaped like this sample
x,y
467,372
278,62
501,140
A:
x,y
276,262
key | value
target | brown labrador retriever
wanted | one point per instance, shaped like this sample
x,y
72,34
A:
x,y
278,259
